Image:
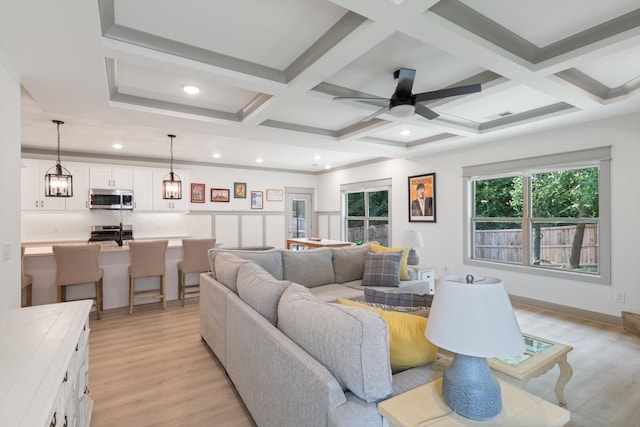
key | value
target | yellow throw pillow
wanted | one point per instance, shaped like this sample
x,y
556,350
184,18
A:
x,y
408,347
404,274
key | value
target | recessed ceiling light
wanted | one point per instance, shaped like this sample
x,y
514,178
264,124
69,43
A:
x,y
191,89
259,160
117,146
405,132
317,158
327,166
216,155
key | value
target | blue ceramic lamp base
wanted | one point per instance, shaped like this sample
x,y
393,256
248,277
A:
x,y
470,389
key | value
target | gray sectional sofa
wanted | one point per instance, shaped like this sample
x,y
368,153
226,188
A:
x,y
295,357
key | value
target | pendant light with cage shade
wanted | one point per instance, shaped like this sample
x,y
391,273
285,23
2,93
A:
x,y
171,185
58,181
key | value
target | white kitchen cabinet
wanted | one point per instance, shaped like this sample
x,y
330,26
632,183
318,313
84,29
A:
x,y
45,369
160,204
80,199
143,189
109,177
32,193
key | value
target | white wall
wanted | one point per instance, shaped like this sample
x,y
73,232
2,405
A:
x,y
9,191
444,239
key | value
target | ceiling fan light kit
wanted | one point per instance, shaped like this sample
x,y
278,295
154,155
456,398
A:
x,y
404,103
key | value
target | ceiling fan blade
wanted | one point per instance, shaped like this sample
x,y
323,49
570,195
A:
x,y
445,93
353,98
374,115
425,112
405,77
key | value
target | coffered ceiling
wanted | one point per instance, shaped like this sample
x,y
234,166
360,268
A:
x,y
268,72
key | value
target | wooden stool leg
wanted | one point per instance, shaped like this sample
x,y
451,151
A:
x,y
179,284
131,285
183,285
162,293
98,298
29,295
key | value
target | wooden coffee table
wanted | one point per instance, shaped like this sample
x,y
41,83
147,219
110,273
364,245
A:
x,y
540,356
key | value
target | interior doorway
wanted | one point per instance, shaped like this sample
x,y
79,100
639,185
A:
x,y
299,213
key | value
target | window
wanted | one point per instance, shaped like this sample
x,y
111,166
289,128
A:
x,y
366,212
549,213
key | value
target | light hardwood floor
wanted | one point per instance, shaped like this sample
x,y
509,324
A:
x,y
152,369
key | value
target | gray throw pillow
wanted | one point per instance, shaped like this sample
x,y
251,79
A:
x,y
381,269
398,299
416,311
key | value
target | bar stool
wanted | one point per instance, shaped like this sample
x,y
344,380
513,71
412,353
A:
x,y
195,259
27,282
78,264
147,260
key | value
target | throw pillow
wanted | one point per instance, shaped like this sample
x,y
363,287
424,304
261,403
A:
x,y
405,299
416,311
381,269
309,268
404,273
408,347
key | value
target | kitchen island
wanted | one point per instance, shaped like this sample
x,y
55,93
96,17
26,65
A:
x,y
114,259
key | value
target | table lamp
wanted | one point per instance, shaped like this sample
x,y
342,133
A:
x,y
474,321
413,239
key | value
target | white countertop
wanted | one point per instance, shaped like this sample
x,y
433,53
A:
x,y
43,249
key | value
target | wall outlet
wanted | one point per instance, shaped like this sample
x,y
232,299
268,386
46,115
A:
x,y
618,297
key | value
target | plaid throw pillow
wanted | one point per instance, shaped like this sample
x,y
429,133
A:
x,y
417,311
398,299
381,269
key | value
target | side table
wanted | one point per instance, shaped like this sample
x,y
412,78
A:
x,y
425,406
426,274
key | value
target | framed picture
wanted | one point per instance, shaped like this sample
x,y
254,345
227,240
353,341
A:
x,y
422,198
220,194
239,190
197,193
274,195
256,200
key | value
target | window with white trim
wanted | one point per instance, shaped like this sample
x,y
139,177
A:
x,y
365,212
547,214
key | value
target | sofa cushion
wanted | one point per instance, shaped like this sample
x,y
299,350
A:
x,y
348,262
404,273
408,347
381,269
309,268
352,344
260,290
404,299
269,259
226,269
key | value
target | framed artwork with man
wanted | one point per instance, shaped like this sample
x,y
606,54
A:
x,y
422,198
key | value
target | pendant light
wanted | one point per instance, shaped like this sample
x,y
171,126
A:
x,y
171,185
58,183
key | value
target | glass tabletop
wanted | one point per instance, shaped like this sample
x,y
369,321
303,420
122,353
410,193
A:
x,y
533,346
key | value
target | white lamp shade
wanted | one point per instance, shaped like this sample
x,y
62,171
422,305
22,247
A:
x,y
474,319
413,239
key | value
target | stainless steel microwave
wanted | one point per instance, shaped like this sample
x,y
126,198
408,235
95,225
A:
x,y
106,198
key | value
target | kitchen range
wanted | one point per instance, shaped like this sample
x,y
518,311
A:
x,y
111,233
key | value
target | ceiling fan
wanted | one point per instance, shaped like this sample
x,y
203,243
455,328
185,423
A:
x,y
403,103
